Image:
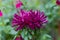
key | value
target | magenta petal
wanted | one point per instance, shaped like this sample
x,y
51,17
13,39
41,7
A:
x,y
17,16
19,4
19,38
19,27
58,2
1,14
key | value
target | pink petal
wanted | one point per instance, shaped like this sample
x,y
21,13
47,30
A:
x,y
1,14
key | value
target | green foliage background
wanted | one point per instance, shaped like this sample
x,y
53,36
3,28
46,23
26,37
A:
x,y
48,6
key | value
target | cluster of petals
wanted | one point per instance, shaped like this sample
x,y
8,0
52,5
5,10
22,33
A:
x,y
30,19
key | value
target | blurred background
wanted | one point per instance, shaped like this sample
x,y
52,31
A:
x,y
52,11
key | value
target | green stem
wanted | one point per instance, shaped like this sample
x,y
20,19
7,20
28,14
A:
x,y
2,20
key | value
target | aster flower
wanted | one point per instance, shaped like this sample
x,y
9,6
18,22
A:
x,y
37,19
18,4
19,38
29,19
58,2
1,13
18,20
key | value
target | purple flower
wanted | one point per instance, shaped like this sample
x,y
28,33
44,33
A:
x,y
19,38
18,4
30,19
58,2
